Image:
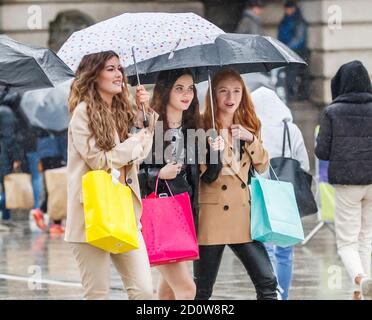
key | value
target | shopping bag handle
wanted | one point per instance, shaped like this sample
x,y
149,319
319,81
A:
x,y
156,186
100,166
254,172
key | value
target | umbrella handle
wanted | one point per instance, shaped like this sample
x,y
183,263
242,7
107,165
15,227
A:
x,y
145,120
211,100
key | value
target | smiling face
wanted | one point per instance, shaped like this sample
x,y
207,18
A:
x,y
182,93
110,79
229,94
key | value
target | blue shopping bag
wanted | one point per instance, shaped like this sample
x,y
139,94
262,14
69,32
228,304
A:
x,y
275,217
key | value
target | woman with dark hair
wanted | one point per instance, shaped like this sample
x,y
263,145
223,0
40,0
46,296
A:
x,y
175,99
224,211
98,138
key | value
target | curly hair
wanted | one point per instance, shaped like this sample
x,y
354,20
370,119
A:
x,y
103,121
245,114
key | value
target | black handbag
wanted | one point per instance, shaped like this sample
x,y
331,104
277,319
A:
x,y
289,170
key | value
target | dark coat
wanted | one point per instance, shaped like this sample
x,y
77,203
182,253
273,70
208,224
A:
x,y
292,31
345,136
186,181
10,148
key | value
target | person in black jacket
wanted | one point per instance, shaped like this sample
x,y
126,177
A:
x,y
26,135
345,140
11,154
175,100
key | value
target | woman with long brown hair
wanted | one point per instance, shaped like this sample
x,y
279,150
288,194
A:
x,y
224,200
176,101
98,138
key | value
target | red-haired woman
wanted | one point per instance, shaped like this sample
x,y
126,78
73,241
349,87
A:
x,y
224,211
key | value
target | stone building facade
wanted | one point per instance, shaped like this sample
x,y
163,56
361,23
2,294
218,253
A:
x,y
340,30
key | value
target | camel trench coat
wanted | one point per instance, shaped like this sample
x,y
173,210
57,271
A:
x,y
224,213
84,155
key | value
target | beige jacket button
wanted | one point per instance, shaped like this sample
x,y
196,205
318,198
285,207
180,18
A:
x,y
226,208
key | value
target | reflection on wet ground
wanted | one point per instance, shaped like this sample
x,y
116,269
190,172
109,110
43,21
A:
x,y
40,266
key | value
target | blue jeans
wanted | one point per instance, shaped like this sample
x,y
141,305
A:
x,y
33,160
282,260
4,211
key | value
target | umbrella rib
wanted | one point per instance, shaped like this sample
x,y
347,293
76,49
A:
x,y
267,39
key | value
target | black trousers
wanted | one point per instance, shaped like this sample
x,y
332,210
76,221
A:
x,y
255,259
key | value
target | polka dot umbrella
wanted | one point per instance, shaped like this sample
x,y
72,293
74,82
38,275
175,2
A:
x,y
149,34
136,37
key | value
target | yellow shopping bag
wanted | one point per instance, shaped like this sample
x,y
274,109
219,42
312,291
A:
x,y
110,221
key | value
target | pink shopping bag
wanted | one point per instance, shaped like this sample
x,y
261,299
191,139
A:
x,y
168,228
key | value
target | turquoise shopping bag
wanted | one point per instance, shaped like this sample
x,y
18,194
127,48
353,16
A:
x,y
275,217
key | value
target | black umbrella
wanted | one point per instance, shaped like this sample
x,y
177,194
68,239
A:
x,y
47,108
26,67
245,53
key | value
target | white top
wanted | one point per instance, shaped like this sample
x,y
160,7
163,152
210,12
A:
x,y
271,110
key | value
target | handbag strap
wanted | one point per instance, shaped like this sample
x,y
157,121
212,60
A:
x,y
157,183
286,136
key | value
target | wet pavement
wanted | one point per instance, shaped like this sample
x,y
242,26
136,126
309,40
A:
x,y
36,265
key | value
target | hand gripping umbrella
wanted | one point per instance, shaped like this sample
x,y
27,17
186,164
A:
x,y
145,121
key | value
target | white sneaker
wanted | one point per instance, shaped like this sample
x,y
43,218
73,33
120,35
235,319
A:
x,y
366,288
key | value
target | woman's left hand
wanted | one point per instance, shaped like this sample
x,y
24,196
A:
x,y
142,97
241,133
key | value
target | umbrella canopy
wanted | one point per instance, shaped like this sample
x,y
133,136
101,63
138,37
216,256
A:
x,y
26,67
245,53
47,108
151,34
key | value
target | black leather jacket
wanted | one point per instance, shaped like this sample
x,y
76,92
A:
x,y
186,181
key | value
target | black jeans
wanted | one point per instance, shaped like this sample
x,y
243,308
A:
x,y
255,259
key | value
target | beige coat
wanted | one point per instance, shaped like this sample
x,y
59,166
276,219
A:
x,y
84,155
224,214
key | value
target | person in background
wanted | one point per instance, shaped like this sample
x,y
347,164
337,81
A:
x,y
273,112
292,31
52,154
11,155
250,22
27,137
345,141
